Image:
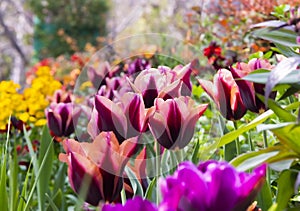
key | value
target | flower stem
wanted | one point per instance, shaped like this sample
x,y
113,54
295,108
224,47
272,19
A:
x,y
237,141
268,175
158,171
123,195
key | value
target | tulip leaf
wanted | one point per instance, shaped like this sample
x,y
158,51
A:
x,y
136,185
229,137
262,77
287,136
282,36
46,142
280,112
264,197
3,178
194,157
285,50
286,184
271,23
277,74
37,169
151,188
52,204
290,91
251,159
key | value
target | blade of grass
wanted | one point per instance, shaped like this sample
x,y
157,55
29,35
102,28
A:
x,y
22,200
37,169
43,187
3,176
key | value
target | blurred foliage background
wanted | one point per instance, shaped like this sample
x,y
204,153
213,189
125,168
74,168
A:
x,y
32,29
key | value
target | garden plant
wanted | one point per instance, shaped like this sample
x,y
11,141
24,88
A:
x,y
103,131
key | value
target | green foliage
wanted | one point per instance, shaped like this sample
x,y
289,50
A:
x,y
63,27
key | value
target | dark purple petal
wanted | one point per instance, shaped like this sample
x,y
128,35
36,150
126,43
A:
x,y
54,123
110,117
174,120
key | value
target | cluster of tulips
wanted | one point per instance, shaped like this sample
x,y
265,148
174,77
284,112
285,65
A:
x,y
142,102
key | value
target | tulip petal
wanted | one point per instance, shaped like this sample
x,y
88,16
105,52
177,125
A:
x,y
110,117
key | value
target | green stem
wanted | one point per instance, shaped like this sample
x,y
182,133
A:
x,y
268,175
265,139
158,171
123,196
250,141
237,140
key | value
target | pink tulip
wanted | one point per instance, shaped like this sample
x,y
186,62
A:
x,y
98,166
174,121
226,94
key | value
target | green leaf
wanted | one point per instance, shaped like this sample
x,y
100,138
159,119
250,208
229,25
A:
x,y
262,77
136,185
287,135
51,202
194,157
280,112
264,197
286,51
286,184
277,74
150,192
13,180
37,169
46,170
229,137
3,178
282,36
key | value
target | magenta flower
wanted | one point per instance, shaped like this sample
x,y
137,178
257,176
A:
x,y
249,89
98,165
226,94
126,119
174,121
212,186
61,118
137,203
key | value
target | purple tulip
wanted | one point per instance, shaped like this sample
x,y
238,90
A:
x,y
226,94
249,89
98,165
126,119
174,121
212,186
61,118
137,203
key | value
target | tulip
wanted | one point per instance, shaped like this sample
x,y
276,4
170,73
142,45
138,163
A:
x,y
97,166
249,89
212,186
138,65
225,92
163,82
97,75
60,118
126,119
61,96
138,203
174,121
